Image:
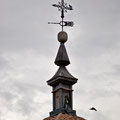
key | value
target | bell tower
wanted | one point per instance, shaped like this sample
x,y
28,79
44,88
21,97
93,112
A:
x,y
62,81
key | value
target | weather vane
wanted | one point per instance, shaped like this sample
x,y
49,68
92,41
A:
x,y
63,7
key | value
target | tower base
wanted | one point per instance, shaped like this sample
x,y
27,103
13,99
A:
x,y
62,110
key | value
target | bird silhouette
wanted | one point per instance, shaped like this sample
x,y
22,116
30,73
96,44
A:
x,y
70,7
93,109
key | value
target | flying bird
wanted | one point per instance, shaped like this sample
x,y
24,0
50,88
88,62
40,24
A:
x,y
93,109
70,7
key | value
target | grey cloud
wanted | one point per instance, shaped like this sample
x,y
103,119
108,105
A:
x,y
7,95
20,98
99,30
99,94
115,71
23,25
3,63
99,116
92,115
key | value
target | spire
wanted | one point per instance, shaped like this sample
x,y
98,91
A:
x,y
62,81
62,58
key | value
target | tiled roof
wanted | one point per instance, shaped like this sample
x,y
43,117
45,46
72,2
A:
x,y
64,117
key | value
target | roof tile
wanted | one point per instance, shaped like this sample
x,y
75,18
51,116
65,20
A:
x,y
64,117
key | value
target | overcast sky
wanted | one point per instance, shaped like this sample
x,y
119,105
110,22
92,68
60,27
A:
x,y
28,47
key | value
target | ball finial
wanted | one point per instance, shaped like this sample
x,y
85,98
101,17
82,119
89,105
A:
x,y
62,37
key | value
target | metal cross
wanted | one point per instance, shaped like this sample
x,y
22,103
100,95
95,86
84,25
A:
x,y
63,7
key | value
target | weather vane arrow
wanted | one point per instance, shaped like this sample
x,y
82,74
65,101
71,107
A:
x,y
63,7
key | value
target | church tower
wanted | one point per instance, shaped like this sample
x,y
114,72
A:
x,y
62,82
